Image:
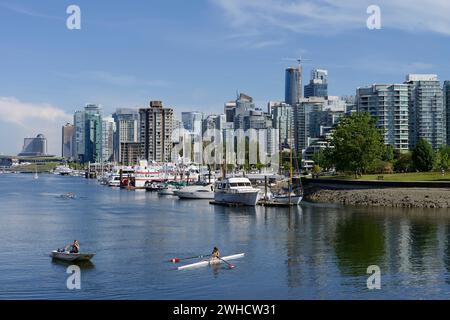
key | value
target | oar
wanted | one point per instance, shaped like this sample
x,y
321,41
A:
x,y
232,266
176,260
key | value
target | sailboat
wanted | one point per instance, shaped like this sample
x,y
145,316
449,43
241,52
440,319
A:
x,y
36,176
291,197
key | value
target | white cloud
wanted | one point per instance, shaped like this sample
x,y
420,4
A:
x,y
25,119
333,16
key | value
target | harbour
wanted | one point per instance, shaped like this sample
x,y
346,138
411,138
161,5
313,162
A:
x,y
311,251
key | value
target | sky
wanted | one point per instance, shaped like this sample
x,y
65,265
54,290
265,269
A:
x,y
195,55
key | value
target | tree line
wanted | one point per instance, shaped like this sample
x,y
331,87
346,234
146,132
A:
x,y
358,147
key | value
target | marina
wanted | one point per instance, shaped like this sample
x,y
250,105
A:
x,y
311,251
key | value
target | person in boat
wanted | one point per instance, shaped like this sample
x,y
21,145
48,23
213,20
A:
x,y
74,247
215,255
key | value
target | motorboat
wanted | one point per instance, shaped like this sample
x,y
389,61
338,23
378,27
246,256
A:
x,y
72,257
236,191
287,199
168,190
196,192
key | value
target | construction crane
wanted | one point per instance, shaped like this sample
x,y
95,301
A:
x,y
300,60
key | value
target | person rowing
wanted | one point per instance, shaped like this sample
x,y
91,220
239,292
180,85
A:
x,y
215,255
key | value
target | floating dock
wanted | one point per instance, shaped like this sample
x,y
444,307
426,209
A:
x,y
268,203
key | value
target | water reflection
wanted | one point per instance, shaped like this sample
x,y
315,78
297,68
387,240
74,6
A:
x,y
313,251
359,243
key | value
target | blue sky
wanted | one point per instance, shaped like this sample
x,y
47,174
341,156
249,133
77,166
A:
x,y
194,55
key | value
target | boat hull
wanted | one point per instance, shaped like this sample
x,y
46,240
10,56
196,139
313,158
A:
x,y
285,200
209,262
195,195
72,257
244,198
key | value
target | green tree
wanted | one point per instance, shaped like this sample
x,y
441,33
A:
x,y
403,162
388,154
443,158
316,169
423,156
358,143
324,158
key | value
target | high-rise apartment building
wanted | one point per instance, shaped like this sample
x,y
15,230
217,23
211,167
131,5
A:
x,y
389,105
127,132
230,111
293,86
318,85
108,129
427,115
446,91
192,121
67,141
93,133
156,128
79,136
314,118
282,120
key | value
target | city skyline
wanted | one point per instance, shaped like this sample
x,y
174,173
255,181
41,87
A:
x,y
176,60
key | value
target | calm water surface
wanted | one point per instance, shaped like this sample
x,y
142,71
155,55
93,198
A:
x,y
313,252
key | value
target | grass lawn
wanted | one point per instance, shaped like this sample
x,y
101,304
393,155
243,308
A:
x,y
40,167
415,176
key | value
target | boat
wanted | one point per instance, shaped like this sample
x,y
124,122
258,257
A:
x,y
236,191
196,192
286,199
62,170
72,257
208,262
167,191
154,186
68,195
36,176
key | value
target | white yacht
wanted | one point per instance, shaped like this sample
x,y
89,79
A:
x,y
196,192
237,191
62,170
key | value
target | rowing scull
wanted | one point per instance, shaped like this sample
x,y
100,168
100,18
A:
x,y
205,263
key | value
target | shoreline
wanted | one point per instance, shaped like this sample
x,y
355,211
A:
x,y
381,197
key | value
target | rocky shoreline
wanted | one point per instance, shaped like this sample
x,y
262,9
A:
x,y
382,197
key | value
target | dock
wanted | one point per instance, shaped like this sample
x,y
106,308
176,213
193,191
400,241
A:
x,y
268,203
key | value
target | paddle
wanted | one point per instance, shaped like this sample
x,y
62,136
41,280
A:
x,y
176,260
232,266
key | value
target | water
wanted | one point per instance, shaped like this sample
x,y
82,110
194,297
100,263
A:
x,y
313,252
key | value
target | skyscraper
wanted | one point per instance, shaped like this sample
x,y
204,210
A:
x,y
282,119
446,91
314,118
192,121
68,132
293,85
318,85
156,132
79,136
93,133
389,105
244,104
427,116
108,129
230,111
127,133
302,113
